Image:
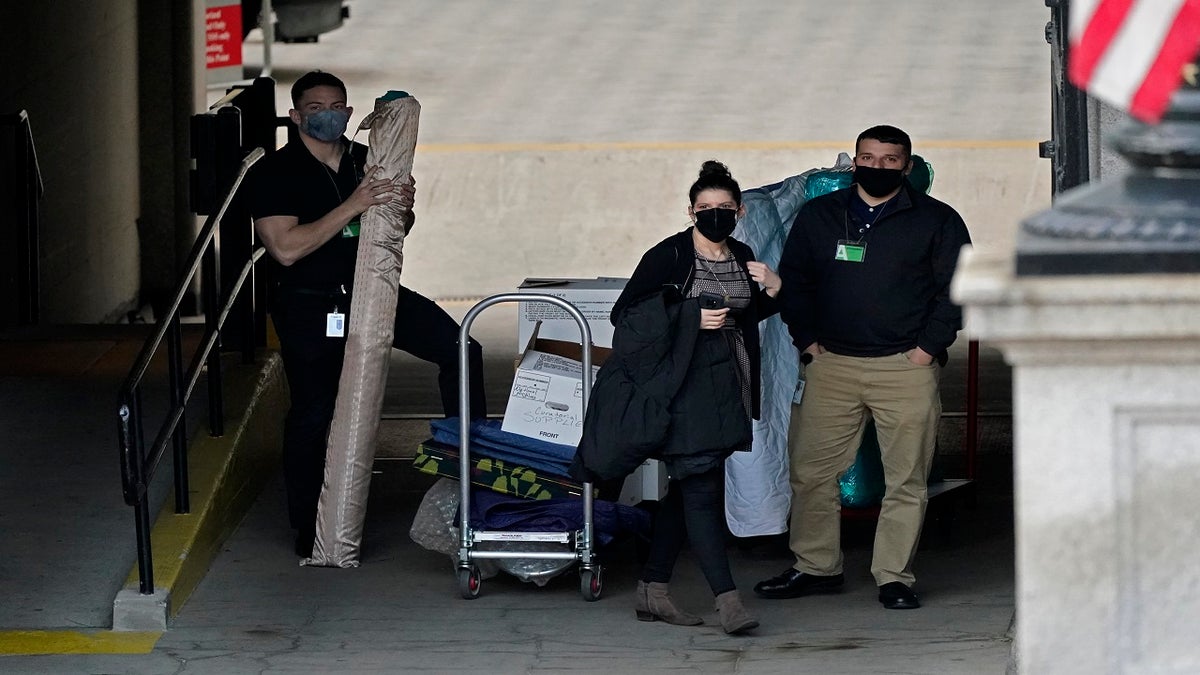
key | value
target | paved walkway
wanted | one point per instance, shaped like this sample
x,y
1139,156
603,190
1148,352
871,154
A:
x,y
67,536
257,611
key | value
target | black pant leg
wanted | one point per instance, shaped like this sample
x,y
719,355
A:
x,y
667,537
313,365
704,511
427,332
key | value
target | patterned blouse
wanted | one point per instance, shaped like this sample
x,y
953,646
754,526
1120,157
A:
x,y
726,278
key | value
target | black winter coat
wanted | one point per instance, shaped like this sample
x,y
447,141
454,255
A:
x,y
668,390
672,262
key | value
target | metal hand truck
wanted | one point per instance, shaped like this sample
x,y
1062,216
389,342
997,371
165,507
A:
x,y
469,581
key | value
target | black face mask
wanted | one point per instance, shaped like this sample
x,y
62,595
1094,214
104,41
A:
x,y
716,224
878,182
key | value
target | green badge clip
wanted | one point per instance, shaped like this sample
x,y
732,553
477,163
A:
x,y
850,252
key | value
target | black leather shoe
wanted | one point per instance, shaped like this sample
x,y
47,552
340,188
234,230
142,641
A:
x,y
896,595
793,584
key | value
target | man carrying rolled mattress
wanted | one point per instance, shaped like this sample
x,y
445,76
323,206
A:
x,y
306,200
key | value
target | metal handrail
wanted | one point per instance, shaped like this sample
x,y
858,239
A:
x,y
138,467
26,181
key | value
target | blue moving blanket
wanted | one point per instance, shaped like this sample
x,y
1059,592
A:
x,y
489,441
494,511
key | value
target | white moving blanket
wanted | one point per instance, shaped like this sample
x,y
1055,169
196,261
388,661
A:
x,y
758,493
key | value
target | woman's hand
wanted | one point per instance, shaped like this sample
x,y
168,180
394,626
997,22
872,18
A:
x,y
712,319
766,276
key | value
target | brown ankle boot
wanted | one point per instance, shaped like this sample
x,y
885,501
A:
x,y
654,603
734,617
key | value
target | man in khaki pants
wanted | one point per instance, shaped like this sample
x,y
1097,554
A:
x,y
866,273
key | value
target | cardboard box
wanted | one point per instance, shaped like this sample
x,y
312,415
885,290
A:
x,y
563,348
648,482
593,297
546,400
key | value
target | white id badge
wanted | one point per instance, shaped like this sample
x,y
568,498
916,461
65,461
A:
x,y
335,324
799,394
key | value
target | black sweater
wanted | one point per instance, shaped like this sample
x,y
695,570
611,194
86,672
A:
x,y
672,262
897,298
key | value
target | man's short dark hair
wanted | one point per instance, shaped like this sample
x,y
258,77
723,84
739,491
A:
x,y
315,78
886,134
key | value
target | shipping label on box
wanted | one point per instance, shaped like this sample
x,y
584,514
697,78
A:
x,y
594,298
546,400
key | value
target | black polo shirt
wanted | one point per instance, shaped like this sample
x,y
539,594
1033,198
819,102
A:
x,y
292,182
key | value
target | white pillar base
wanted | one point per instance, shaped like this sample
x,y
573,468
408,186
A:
x,y
1106,388
133,611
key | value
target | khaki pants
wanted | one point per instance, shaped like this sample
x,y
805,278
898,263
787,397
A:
x,y
824,436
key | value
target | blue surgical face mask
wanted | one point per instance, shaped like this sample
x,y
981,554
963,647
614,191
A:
x,y
325,125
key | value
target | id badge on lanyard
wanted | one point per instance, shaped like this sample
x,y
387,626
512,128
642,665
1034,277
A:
x,y
335,321
850,251
335,324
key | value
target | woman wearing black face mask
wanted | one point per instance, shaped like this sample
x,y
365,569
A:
x,y
704,294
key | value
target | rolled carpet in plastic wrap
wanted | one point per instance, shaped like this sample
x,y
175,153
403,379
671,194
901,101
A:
x,y
351,448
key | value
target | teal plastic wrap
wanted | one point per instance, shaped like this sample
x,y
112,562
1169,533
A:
x,y
824,182
829,180
921,176
862,484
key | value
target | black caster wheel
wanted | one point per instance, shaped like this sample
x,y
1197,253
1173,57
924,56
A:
x,y
591,583
469,582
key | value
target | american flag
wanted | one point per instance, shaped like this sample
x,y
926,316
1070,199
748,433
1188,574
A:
x,y
1131,53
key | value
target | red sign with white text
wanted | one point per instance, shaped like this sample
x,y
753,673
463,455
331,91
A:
x,y
223,36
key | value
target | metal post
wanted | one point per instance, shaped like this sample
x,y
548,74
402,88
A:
x,y
972,406
255,108
179,435
21,196
28,223
249,324
141,509
212,308
1067,149
267,22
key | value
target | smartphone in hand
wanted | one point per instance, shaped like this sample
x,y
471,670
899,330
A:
x,y
712,301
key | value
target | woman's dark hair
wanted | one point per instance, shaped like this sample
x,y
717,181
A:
x,y
315,78
715,176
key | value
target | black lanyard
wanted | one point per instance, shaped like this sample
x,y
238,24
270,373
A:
x,y
867,230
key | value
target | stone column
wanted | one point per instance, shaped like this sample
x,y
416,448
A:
x,y
1106,387
1098,311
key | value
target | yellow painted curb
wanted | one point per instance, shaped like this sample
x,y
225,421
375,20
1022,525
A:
x,y
41,642
225,475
